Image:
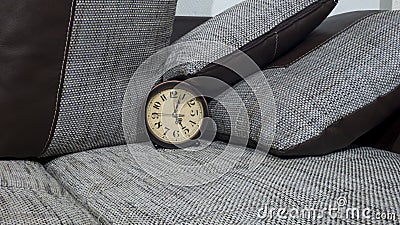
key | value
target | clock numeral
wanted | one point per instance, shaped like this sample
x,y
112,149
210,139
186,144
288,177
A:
x,y
185,130
166,129
194,113
193,123
164,98
176,133
191,103
155,116
157,105
173,94
158,125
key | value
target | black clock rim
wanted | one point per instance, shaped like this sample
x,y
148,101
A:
x,y
170,85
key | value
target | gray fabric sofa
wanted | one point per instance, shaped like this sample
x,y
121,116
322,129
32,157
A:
x,y
121,192
107,186
357,185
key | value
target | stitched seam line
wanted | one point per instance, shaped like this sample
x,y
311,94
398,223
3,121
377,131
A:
x,y
270,33
276,44
61,76
323,43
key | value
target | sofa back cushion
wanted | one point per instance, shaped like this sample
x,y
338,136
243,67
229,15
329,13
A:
x,y
32,42
331,89
262,29
66,66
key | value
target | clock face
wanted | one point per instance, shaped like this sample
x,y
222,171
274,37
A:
x,y
174,115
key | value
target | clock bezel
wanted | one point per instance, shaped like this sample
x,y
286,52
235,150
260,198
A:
x,y
187,87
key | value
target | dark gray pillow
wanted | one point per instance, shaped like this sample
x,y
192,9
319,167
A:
x,y
332,93
64,68
263,29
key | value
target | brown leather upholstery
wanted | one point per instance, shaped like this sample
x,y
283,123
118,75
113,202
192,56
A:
x,y
184,24
32,40
268,47
331,27
384,136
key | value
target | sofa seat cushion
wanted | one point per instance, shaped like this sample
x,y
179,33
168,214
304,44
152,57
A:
x,y
29,195
111,184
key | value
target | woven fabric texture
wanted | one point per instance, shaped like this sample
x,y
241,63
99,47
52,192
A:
x,y
331,82
29,195
109,40
112,185
231,30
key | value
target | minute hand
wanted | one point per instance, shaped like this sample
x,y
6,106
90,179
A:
x,y
166,114
177,105
175,114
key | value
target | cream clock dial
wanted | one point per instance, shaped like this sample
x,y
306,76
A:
x,y
174,114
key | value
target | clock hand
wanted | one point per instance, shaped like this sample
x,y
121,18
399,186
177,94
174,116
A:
x,y
176,107
175,114
164,114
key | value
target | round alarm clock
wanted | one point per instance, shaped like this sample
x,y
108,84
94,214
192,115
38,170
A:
x,y
174,114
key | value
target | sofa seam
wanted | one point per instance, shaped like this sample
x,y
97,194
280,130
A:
x,y
81,203
61,77
325,42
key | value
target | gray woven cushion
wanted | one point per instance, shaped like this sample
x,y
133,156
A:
x,y
29,195
112,185
109,40
340,77
251,26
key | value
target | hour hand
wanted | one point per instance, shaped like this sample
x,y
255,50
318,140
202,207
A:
x,y
177,105
163,114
